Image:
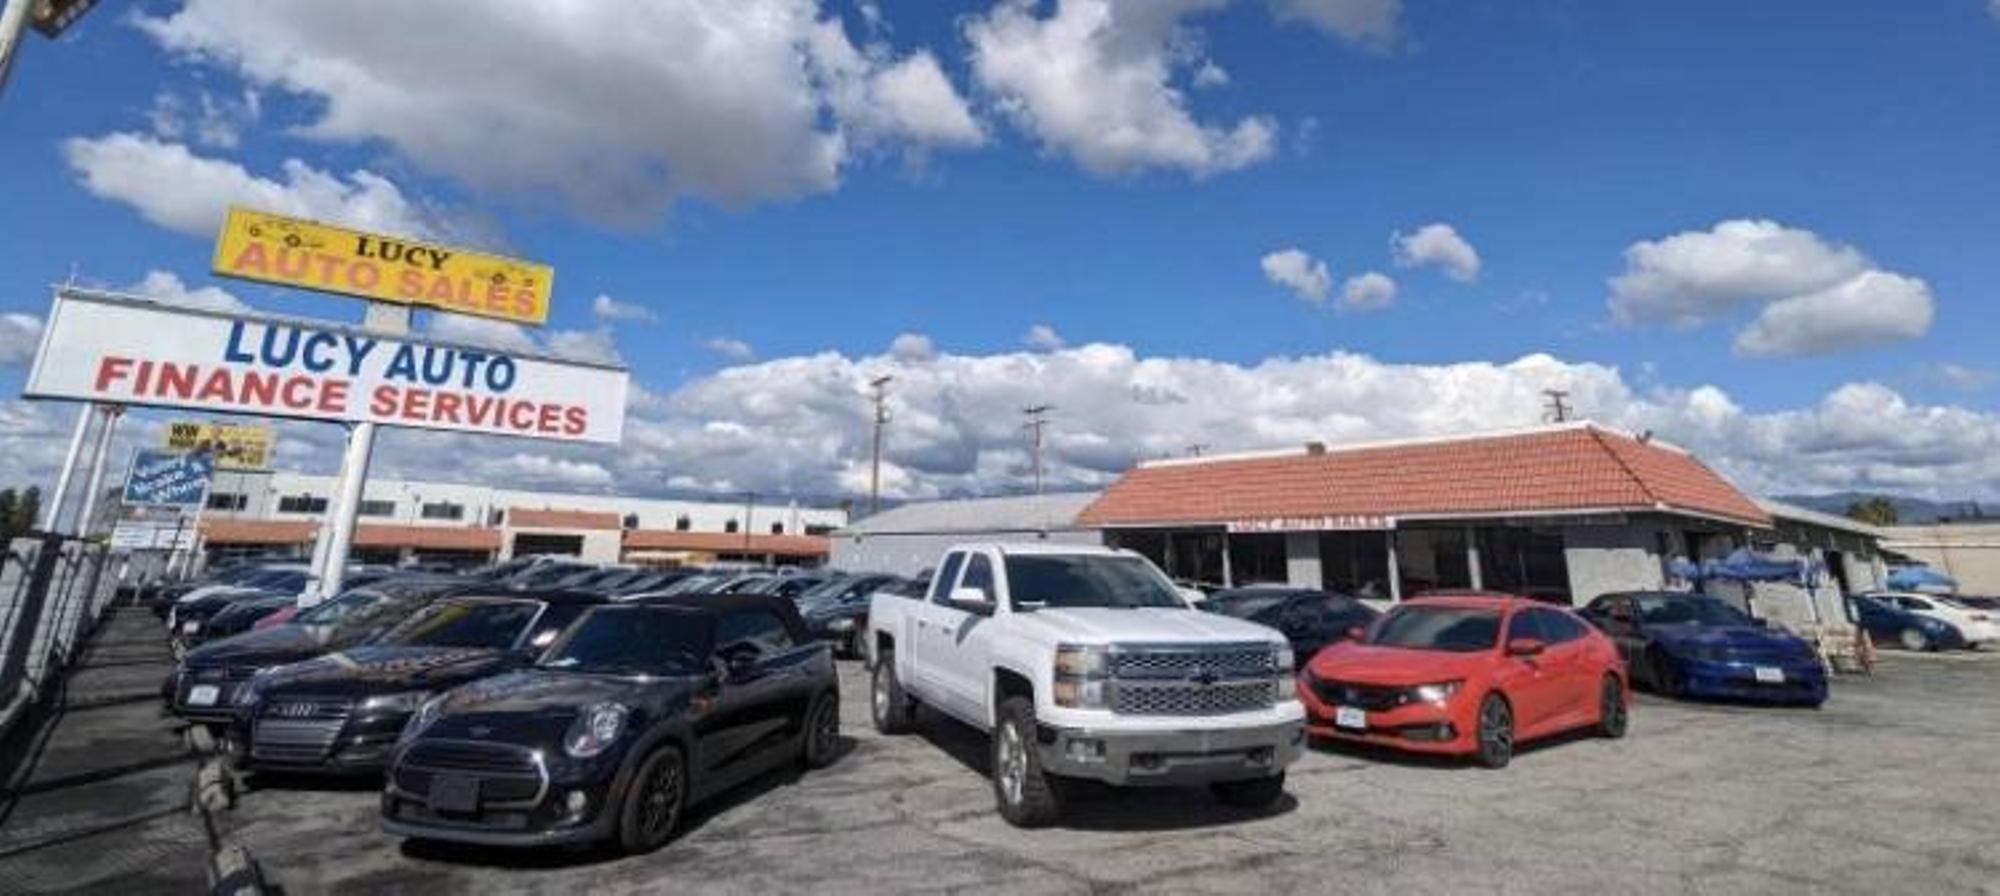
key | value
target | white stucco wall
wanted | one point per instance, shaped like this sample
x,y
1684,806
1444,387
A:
x,y
1603,559
909,554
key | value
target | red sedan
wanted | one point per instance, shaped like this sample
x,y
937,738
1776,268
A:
x,y
1436,676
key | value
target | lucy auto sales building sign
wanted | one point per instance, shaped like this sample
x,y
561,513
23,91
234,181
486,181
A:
x,y
117,349
296,252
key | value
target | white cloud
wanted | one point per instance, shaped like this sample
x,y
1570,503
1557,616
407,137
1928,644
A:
x,y
20,337
731,101
1096,80
1871,308
1371,291
1437,245
581,345
205,120
733,349
1817,296
1294,269
1371,24
545,471
166,286
1696,275
912,347
176,189
610,310
1963,377
1043,337
585,345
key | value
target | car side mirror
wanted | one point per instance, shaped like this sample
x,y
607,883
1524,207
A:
x,y
974,600
1525,647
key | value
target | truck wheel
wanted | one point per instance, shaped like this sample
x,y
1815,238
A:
x,y
890,707
1027,796
1256,793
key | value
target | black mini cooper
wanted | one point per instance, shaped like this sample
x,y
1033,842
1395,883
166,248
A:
x,y
340,713
638,711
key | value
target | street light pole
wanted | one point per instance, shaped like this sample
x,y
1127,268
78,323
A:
x,y
1037,421
881,386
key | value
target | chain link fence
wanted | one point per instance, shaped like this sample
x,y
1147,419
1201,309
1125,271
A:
x,y
53,591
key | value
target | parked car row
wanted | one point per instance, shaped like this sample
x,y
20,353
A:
x,y
544,701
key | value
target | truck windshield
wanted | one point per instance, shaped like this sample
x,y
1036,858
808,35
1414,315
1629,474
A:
x,y
1054,580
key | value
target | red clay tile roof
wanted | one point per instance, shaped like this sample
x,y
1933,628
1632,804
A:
x,y
726,543
530,518
367,535
1567,468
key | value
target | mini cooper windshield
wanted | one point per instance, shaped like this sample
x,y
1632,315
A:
x,y
633,641
1452,629
490,624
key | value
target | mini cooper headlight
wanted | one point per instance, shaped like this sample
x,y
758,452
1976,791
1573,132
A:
x,y
407,701
594,730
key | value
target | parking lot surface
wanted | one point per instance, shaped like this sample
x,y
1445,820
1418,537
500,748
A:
x,y
1893,787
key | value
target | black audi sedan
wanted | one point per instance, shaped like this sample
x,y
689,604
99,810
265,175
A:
x,y
638,711
203,687
340,713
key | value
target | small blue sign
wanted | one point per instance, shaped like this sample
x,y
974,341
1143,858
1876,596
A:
x,y
169,478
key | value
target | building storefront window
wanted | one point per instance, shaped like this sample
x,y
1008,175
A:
x,y
1524,561
1355,563
1257,559
1432,559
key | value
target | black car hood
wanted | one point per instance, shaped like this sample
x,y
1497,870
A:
x,y
270,647
537,705
385,669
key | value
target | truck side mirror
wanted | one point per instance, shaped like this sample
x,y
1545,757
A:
x,y
972,599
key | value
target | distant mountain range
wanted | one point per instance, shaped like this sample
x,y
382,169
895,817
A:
x,y
1908,510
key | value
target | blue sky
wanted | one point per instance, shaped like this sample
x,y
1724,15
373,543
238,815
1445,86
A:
x,y
1550,137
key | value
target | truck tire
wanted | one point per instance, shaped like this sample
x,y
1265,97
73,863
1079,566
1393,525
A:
x,y
1027,796
892,709
1256,793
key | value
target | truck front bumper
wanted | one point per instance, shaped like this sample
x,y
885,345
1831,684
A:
x,y
1169,757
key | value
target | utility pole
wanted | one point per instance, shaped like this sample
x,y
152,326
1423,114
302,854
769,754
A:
x,y
1558,410
1038,421
880,385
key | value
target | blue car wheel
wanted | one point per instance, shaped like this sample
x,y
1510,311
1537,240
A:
x,y
1913,638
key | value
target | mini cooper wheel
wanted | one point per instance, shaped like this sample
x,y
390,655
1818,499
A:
x,y
822,735
1256,793
1027,796
890,706
1496,732
1913,639
653,802
1612,715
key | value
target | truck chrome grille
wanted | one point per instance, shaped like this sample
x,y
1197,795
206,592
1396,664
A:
x,y
1193,680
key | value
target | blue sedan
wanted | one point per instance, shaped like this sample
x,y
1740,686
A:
x,y
1887,623
1697,646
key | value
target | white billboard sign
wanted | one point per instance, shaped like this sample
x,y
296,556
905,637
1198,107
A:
x,y
130,351
149,535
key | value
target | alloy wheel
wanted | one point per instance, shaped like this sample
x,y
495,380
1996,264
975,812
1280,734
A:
x,y
1915,640
1012,767
1496,731
826,727
662,800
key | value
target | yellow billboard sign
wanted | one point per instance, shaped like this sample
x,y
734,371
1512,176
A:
x,y
233,447
272,248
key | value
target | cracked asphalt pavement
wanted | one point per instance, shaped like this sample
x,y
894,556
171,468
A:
x,y
1893,787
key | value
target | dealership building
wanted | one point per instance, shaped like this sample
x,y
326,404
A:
x,y
402,521
1563,512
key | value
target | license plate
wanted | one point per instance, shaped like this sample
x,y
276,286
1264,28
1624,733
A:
x,y
190,627
454,793
203,695
1350,717
1768,675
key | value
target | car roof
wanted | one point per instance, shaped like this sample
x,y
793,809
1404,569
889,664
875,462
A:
x,y
1044,548
719,604
1483,600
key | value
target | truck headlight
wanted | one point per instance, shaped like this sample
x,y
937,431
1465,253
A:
x,y
1079,679
407,701
594,730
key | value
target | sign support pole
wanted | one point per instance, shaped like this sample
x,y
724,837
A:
x,y
98,455
342,511
13,27
52,507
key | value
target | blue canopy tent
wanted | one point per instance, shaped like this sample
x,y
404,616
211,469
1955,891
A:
x,y
1920,578
1745,565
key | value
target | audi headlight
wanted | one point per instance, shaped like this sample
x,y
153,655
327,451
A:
x,y
407,701
252,691
1435,693
426,713
1080,673
594,730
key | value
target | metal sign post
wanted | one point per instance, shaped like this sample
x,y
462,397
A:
x,y
52,509
337,536
112,414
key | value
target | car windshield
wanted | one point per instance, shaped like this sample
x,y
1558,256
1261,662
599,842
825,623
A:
x,y
1452,629
549,574
1674,610
1246,604
333,611
632,640
1087,580
489,624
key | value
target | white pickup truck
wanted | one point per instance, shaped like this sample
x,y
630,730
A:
x,y
1085,662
